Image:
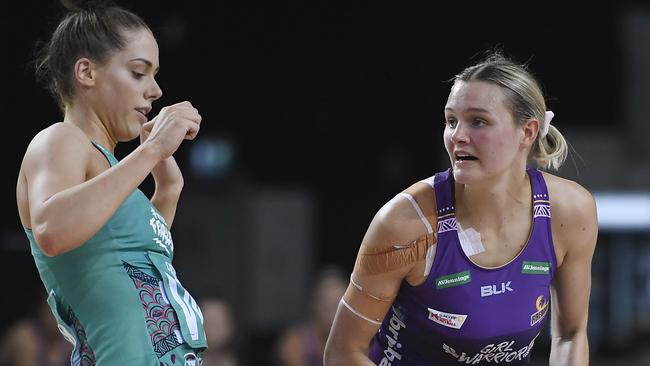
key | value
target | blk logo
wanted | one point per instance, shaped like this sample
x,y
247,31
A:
x,y
496,289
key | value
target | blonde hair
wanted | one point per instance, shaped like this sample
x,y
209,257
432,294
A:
x,y
526,101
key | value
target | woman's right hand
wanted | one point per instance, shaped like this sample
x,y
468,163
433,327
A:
x,y
171,126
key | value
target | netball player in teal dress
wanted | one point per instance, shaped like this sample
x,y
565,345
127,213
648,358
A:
x,y
102,248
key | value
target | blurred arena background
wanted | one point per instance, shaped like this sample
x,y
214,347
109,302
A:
x,y
315,113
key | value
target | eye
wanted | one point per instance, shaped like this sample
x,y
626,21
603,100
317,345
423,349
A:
x,y
137,75
451,122
478,122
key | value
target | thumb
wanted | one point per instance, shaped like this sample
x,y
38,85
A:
x,y
147,127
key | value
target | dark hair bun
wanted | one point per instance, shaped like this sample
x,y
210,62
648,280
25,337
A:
x,y
76,5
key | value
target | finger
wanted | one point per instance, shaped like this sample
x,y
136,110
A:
x,y
148,126
192,132
193,115
190,135
183,104
195,118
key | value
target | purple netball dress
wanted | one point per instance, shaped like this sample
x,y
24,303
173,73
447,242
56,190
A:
x,y
466,314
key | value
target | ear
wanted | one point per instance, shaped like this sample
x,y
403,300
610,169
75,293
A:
x,y
85,72
530,131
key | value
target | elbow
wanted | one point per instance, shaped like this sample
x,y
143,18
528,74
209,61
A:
x,y
48,240
569,336
46,244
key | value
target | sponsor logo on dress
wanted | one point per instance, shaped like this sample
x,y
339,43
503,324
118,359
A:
x,y
538,268
490,290
493,353
163,237
450,320
455,279
192,360
541,304
397,322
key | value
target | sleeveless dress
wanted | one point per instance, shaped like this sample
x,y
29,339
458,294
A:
x,y
117,298
466,314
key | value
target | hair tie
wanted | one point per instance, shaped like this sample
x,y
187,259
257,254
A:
x,y
548,116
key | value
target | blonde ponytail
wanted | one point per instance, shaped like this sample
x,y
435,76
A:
x,y
550,151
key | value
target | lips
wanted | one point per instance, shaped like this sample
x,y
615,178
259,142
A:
x,y
143,110
465,157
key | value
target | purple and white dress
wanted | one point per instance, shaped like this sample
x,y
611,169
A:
x,y
467,314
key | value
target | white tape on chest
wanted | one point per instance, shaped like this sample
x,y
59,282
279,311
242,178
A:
x,y
470,241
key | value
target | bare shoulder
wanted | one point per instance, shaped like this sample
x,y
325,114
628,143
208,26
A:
x,y
57,134
56,140
569,198
398,221
574,218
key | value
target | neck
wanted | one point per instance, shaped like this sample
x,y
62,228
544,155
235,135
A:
x,y
88,120
502,194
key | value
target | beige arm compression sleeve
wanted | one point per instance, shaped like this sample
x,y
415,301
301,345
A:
x,y
372,261
380,270
368,296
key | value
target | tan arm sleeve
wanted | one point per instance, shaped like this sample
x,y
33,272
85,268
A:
x,y
395,246
372,284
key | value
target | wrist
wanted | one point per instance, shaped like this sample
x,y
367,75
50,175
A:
x,y
151,152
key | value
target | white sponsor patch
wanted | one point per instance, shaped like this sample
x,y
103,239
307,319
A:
x,y
450,320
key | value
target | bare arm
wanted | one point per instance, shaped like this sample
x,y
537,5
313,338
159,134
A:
x,y
65,209
350,336
575,230
168,180
360,312
167,193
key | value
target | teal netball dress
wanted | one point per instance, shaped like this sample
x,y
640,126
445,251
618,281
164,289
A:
x,y
117,298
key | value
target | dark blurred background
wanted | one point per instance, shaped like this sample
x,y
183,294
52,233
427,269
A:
x,y
315,113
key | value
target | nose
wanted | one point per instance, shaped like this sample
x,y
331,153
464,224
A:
x,y
460,133
153,92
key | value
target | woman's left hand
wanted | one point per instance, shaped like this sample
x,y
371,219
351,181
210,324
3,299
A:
x,y
166,173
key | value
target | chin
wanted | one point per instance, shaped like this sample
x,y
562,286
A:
x,y
465,176
134,130
129,136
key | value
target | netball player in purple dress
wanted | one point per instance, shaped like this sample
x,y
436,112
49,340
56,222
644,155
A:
x,y
466,267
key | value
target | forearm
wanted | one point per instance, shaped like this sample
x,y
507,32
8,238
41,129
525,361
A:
x,y
570,351
69,218
344,345
165,198
169,184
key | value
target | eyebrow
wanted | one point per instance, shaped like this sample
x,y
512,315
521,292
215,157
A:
x,y
147,62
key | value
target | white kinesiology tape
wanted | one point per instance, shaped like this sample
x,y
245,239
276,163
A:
x,y
470,241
